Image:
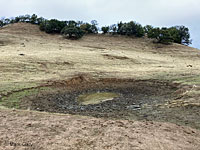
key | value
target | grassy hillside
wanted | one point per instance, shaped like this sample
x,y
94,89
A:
x,y
150,82
29,57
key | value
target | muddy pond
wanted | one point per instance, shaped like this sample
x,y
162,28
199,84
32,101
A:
x,y
115,99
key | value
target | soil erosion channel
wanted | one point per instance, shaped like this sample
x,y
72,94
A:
x,y
113,98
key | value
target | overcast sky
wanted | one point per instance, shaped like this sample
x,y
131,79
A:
x,y
107,12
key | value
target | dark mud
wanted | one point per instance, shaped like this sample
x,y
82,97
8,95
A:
x,y
138,100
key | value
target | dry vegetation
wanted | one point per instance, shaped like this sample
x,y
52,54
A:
x,y
30,58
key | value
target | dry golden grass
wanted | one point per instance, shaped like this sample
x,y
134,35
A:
x,y
29,57
42,131
52,57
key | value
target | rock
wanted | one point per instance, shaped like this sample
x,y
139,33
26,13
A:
x,y
134,107
189,65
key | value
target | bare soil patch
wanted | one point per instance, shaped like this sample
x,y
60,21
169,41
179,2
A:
x,y
137,100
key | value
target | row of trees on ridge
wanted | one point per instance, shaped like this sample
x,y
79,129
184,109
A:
x,y
76,29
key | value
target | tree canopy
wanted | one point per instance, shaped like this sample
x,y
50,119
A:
x,y
105,29
72,32
177,34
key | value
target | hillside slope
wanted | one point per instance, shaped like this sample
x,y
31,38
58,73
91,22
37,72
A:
x,y
30,58
50,56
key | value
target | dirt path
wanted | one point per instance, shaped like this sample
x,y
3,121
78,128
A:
x,y
32,130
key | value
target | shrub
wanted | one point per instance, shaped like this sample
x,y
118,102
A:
x,y
52,26
71,32
162,35
33,19
1,23
119,26
105,29
147,28
153,33
43,25
16,20
165,37
23,18
94,27
40,20
113,28
5,21
139,30
27,18
71,23
89,28
180,35
131,29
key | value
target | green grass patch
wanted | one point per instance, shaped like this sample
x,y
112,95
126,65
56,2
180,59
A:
x,y
6,87
189,80
96,98
179,78
14,99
